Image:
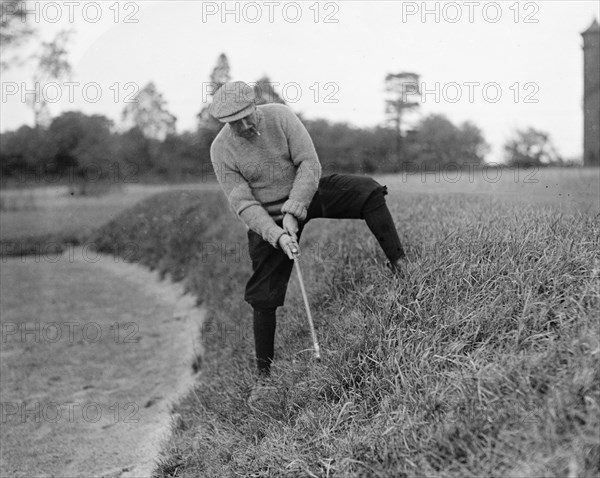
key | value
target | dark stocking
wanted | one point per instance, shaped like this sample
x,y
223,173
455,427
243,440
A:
x,y
264,337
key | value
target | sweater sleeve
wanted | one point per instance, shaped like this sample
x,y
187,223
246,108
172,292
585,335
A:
x,y
308,167
241,200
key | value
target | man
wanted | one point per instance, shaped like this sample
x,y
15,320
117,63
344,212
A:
x,y
267,166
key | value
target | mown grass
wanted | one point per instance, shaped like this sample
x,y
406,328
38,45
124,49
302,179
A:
x,y
43,221
482,361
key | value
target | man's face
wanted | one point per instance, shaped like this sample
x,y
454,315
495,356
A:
x,y
246,126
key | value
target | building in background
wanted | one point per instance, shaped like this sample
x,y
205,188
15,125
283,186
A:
x,y
591,95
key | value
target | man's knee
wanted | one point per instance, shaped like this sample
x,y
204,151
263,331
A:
x,y
264,310
376,199
264,299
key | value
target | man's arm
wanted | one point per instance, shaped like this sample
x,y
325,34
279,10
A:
x,y
243,202
308,172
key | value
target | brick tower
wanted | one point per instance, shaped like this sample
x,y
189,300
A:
x,y
591,95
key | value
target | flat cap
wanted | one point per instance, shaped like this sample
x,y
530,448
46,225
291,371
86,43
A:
x,y
233,101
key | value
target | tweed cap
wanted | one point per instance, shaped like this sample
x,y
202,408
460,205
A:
x,y
233,101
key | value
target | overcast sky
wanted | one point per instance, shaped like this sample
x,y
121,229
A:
x,y
514,64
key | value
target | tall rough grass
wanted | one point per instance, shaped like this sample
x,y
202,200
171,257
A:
x,y
482,361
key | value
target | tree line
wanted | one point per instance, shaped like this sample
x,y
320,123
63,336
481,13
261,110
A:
x,y
84,147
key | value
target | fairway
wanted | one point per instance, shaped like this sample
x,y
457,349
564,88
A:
x,y
566,189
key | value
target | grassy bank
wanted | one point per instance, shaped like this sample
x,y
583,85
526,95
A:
x,y
482,361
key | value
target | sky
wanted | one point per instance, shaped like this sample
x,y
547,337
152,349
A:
x,y
501,65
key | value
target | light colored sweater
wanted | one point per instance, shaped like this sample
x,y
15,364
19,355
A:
x,y
269,175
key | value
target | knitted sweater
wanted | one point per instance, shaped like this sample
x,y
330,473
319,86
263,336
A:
x,y
269,175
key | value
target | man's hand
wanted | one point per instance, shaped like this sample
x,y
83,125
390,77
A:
x,y
290,226
289,245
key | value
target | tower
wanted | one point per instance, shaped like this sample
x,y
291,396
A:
x,y
591,95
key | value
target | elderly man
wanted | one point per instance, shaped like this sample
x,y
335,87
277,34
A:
x,y
267,166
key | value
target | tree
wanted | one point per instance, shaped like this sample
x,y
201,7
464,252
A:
x,y
221,72
209,127
400,87
14,29
148,112
219,76
135,152
52,65
472,144
82,145
178,157
344,148
23,152
265,92
530,148
439,142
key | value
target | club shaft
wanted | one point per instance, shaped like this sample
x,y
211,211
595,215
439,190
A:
x,y
310,320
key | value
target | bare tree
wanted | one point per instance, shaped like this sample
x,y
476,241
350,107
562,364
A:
x,y
52,65
14,30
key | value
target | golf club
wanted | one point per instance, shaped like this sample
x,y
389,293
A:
x,y
310,321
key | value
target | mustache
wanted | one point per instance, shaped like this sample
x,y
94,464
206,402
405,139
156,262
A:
x,y
250,132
